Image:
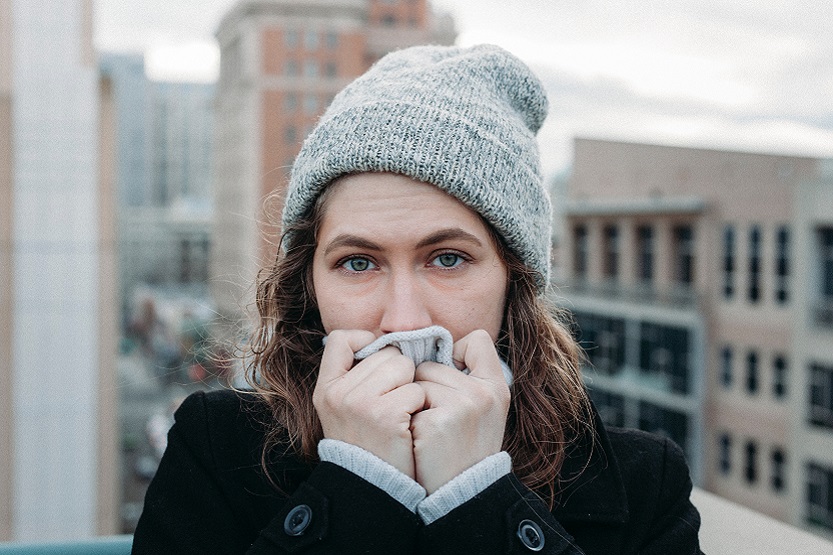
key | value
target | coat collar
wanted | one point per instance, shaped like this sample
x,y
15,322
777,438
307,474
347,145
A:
x,y
597,491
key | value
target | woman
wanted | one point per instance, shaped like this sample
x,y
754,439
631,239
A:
x,y
412,391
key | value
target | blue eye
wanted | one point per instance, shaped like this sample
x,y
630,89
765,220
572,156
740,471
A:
x,y
358,264
448,260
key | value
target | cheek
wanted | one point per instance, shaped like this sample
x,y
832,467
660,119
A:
x,y
478,309
338,310
324,298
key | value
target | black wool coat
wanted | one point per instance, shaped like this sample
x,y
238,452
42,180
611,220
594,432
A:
x,y
210,495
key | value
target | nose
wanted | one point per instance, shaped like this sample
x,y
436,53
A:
x,y
404,305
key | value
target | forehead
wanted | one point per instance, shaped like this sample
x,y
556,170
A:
x,y
365,195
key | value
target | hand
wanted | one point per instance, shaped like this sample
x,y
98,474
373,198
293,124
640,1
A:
x,y
370,404
464,416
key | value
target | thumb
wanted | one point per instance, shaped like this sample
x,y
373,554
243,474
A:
x,y
477,353
339,352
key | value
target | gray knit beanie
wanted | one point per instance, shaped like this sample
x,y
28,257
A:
x,y
463,119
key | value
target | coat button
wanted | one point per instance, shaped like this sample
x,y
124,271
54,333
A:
x,y
298,520
531,535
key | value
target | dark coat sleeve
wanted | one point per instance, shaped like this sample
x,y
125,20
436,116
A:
x,y
643,474
200,501
676,522
662,519
496,521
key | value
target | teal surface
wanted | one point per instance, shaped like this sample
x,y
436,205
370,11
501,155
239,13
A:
x,y
111,545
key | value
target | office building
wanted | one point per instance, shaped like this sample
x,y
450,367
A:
x,y
701,283
57,268
281,63
165,133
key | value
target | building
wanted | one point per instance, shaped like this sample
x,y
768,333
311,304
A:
x,y
282,61
701,282
812,380
58,452
131,90
165,134
164,137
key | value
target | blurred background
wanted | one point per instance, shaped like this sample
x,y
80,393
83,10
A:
x,y
145,147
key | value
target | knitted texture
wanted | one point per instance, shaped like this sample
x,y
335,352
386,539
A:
x,y
464,486
404,489
433,343
368,466
463,119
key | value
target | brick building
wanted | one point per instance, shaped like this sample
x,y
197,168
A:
x,y
282,61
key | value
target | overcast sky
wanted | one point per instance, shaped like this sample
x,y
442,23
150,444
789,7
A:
x,y
736,74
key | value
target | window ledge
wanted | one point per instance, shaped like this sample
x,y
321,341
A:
x,y
731,529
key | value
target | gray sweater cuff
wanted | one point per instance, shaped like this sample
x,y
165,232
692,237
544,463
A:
x,y
464,486
368,466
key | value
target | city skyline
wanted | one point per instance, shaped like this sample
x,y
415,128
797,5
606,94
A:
x,y
713,74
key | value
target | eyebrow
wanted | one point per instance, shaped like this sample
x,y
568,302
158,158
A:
x,y
449,234
347,240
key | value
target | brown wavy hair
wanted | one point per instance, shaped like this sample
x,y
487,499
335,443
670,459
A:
x,y
549,410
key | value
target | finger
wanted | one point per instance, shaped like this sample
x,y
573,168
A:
x,y
410,397
383,371
436,393
479,355
337,359
438,373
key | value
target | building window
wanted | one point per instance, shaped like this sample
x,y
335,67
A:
x,y
821,396
725,454
603,340
388,20
752,372
782,264
610,268
779,376
311,40
611,407
331,39
291,38
820,495
663,355
750,470
728,262
185,268
580,251
311,68
754,291
824,312
645,253
726,366
310,104
684,254
778,469
290,135
292,68
330,70
290,102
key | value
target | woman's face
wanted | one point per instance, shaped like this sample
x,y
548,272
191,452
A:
x,y
395,254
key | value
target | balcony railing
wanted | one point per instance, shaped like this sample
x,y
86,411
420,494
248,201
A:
x,y
823,314
675,295
112,545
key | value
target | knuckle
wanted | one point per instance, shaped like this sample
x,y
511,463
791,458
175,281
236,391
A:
x,y
337,336
481,335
